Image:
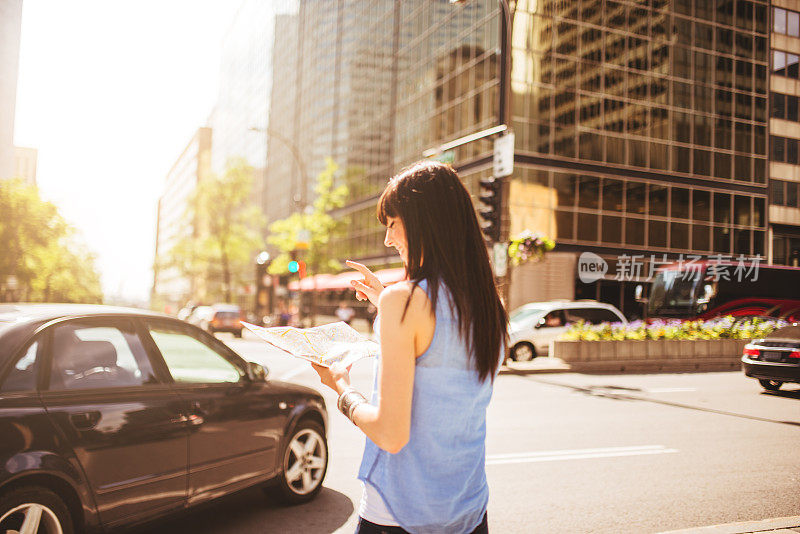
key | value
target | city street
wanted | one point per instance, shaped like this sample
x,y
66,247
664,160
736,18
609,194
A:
x,y
574,453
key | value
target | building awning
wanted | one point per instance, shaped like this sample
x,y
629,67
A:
x,y
333,282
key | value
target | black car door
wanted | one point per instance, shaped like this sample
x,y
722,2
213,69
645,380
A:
x,y
124,423
236,425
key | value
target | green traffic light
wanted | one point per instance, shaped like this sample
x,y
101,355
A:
x,y
294,266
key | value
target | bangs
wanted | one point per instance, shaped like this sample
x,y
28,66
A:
x,y
387,203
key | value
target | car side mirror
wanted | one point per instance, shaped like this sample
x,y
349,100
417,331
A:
x,y
257,372
540,323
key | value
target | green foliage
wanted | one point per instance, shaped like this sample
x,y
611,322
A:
x,y
41,251
221,229
320,225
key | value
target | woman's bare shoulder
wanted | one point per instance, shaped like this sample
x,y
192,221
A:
x,y
396,295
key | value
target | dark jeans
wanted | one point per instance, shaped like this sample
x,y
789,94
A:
x,y
365,527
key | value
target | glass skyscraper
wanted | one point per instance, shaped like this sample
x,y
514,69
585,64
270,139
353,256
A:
x,y
641,126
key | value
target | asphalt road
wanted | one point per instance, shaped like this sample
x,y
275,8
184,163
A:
x,y
574,453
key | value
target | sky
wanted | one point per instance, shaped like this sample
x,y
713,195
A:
x,y
110,92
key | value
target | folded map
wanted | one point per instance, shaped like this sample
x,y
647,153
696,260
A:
x,y
323,345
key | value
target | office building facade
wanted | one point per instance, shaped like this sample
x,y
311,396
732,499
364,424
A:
x,y
240,115
170,287
10,32
784,170
25,164
641,128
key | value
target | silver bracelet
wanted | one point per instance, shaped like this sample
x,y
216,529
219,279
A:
x,y
348,400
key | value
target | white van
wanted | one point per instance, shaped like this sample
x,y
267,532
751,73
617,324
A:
x,y
534,326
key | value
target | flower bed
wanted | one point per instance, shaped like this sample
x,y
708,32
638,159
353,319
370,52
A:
x,y
661,346
720,328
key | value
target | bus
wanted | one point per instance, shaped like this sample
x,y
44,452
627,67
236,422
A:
x,y
704,290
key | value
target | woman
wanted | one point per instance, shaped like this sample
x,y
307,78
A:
x,y
442,334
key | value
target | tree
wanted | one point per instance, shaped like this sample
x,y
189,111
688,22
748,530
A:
x,y
222,229
320,226
42,254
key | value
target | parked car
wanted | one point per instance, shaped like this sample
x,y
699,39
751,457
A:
x,y
198,314
220,318
534,326
774,359
112,416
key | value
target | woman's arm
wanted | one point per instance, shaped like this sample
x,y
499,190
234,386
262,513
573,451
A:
x,y
388,425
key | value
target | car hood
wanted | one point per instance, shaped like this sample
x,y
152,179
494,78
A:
x,y
291,387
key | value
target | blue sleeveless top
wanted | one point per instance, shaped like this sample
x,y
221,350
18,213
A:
x,y
437,482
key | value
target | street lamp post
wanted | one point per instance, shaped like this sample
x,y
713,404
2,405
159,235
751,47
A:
x,y
299,199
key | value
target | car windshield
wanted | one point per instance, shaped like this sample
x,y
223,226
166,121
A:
x,y
672,290
522,314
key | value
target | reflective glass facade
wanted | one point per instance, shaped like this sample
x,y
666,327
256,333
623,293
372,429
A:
x,y
659,110
640,126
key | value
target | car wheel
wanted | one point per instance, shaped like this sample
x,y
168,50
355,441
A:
x,y
771,385
34,509
305,462
523,352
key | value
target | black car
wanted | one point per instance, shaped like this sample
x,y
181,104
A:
x,y
112,416
774,359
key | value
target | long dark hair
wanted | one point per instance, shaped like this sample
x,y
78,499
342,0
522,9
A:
x,y
441,227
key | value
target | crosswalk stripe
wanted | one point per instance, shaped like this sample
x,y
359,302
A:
x,y
575,454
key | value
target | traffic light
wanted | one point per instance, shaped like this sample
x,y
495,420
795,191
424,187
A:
x,y
490,197
295,265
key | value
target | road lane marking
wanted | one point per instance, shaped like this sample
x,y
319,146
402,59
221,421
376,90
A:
x,y
575,454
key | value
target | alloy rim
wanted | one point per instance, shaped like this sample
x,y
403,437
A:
x,y
30,518
523,353
305,461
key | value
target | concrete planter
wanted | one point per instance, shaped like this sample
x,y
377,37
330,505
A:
x,y
651,355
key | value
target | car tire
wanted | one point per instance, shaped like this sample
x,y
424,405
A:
x,y
298,484
523,352
771,385
26,502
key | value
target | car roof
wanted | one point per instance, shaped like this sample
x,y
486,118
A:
x,y
551,304
19,321
25,312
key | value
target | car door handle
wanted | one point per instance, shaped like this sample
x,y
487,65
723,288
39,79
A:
x,y
85,420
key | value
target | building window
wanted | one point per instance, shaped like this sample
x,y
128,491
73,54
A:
x,y
784,150
784,107
783,193
785,64
786,22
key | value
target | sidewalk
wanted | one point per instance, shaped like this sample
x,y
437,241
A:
x,y
779,525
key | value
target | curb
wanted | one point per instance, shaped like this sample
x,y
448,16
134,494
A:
x,y
540,365
782,525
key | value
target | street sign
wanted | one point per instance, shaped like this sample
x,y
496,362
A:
x,y
504,155
500,259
